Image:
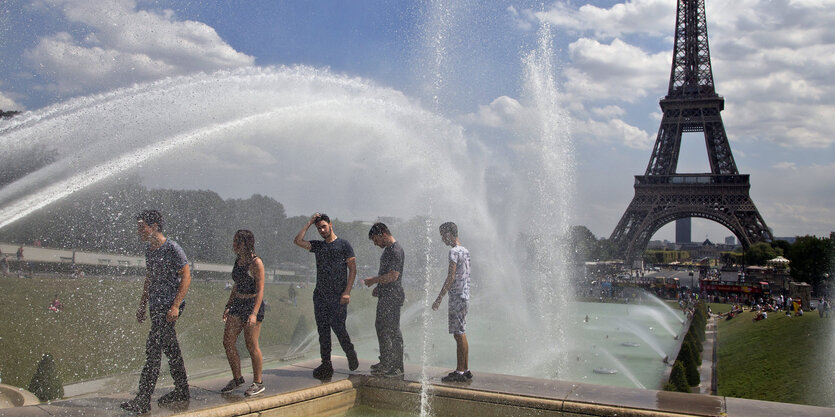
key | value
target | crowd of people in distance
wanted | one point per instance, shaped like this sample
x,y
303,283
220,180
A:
x,y
791,306
168,278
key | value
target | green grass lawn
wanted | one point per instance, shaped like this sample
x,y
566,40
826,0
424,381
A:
x,y
777,359
97,333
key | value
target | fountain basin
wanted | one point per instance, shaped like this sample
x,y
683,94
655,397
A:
x,y
291,390
15,397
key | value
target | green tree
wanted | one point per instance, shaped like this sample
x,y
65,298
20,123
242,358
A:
x,y
687,357
46,384
678,378
582,243
8,114
810,258
760,252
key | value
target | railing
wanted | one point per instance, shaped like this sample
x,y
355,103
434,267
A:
x,y
692,179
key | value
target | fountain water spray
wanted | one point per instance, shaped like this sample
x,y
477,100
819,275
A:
x,y
550,160
662,304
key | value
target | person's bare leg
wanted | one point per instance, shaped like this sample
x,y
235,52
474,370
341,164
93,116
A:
x,y
230,335
462,352
251,334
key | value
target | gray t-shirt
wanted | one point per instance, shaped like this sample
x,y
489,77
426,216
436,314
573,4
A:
x,y
163,265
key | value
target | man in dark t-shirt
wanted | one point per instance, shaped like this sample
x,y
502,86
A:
x,y
167,280
336,270
389,291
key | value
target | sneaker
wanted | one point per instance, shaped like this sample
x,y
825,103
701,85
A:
x,y
255,389
231,385
375,366
455,377
174,396
323,371
136,406
468,374
353,362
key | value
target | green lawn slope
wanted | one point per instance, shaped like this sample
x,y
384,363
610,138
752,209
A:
x,y
783,359
97,334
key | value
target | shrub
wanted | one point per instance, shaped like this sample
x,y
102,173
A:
x,y
678,378
687,356
690,337
46,384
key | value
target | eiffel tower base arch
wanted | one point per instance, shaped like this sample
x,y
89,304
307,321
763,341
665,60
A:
x,y
660,200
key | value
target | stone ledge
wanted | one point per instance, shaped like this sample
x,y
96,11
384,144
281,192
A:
x,y
292,391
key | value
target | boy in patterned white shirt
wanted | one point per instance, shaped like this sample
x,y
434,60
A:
x,y
458,285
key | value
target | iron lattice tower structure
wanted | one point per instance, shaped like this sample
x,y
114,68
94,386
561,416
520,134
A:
x,y
691,105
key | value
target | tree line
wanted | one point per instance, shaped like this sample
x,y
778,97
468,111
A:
x,y
810,256
103,218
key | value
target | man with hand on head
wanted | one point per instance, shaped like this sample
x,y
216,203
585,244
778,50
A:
x,y
336,269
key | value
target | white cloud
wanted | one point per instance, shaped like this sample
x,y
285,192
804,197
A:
x,y
612,131
615,71
523,20
796,198
502,113
608,111
785,165
7,103
650,17
771,60
791,125
124,45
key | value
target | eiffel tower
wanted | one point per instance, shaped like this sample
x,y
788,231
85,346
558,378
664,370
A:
x,y
691,105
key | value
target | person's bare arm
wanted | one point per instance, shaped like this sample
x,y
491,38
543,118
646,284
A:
x,y
257,271
185,282
232,295
389,276
143,301
447,284
352,276
299,240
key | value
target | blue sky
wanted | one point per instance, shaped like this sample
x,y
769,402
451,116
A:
x,y
772,61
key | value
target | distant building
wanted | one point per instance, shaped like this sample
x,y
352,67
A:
x,y
661,245
730,240
704,250
683,227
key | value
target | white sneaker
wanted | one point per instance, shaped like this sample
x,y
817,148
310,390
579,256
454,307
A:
x,y
255,389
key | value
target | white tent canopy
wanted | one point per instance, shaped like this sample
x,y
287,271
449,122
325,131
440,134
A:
x,y
779,260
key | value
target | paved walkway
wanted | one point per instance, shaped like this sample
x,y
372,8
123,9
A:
x,y
707,372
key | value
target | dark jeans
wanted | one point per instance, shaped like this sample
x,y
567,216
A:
x,y
331,315
161,338
388,331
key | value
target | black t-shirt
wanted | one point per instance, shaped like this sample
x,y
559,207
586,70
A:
x,y
331,265
391,260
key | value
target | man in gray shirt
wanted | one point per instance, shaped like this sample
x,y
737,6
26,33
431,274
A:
x,y
166,282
